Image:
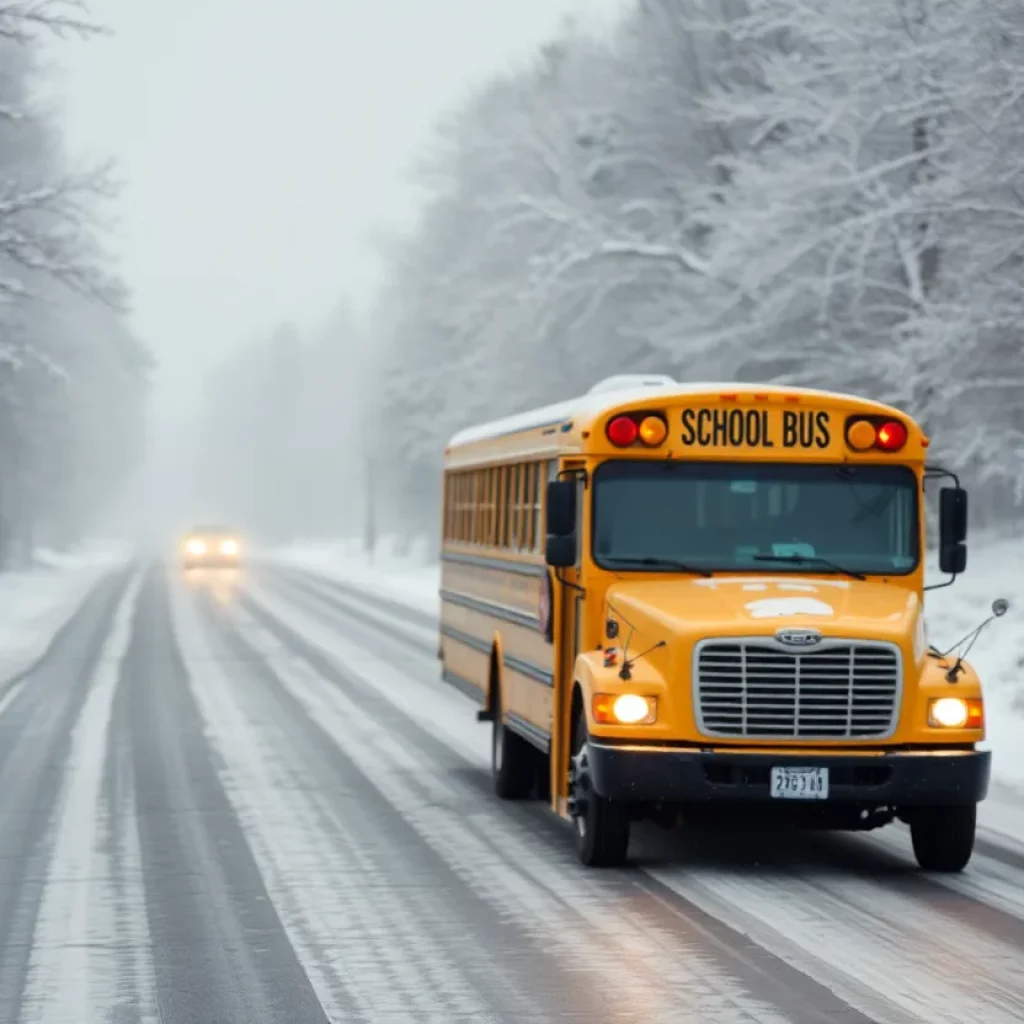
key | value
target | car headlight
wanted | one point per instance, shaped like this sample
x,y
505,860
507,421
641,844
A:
x,y
624,709
956,713
229,547
196,547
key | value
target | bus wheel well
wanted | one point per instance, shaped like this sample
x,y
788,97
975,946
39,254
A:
x,y
575,708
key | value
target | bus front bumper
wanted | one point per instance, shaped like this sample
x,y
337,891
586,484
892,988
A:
x,y
672,775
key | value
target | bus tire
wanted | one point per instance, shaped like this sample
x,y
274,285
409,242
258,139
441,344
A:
x,y
601,826
513,759
943,837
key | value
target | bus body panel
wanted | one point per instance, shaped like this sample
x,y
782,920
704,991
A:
x,y
493,596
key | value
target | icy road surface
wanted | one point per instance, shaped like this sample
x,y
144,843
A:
x,y
246,799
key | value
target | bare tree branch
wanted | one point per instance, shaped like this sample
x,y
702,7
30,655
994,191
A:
x,y
23,20
48,230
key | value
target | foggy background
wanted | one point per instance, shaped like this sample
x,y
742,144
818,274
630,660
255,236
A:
x,y
341,231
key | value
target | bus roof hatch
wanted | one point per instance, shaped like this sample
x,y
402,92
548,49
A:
x,y
629,381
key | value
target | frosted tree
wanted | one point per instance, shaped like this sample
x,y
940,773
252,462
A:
x,y
819,225
844,220
58,351
509,292
662,164
754,189
980,373
93,437
47,214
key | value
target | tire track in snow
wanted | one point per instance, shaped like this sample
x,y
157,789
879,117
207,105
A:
x,y
603,925
137,1003
415,635
991,881
895,963
221,953
484,861
80,950
35,736
890,956
987,897
364,903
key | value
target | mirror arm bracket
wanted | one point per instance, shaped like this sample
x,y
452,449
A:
x,y
941,472
580,473
568,583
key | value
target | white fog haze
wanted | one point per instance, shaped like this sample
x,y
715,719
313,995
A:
x,y
338,232
266,155
511,511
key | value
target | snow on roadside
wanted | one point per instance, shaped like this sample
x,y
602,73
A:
x,y
412,579
36,603
995,568
993,571
72,974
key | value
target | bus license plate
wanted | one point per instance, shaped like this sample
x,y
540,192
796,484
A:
x,y
799,783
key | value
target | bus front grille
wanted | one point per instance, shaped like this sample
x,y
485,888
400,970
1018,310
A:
x,y
759,690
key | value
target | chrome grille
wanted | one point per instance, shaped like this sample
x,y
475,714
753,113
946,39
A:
x,y
759,689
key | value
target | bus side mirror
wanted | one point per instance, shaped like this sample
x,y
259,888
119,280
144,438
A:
x,y
952,530
561,508
561,544
560,552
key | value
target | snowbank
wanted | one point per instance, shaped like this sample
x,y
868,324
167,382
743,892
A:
x,y
36,603
411,577
995,568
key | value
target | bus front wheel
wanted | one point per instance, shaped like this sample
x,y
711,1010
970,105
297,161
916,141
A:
x,y
601,826
943,837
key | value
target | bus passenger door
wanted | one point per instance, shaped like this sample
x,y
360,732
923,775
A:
x,y
567,640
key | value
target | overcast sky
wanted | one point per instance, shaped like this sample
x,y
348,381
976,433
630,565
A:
x,y
260,141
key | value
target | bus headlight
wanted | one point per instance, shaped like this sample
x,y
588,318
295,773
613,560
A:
x,y
624,709
956,713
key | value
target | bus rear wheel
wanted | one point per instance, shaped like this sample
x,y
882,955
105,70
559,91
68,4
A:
x,y
513,760
601,826
943,837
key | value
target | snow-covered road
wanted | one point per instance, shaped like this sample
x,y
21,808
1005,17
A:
x,y
247,798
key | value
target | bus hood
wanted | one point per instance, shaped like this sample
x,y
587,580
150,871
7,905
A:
x,y
676,610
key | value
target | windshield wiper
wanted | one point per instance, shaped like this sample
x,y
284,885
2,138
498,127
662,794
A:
x,y
808,559
666,563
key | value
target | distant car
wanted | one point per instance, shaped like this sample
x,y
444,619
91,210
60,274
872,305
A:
x,y
214,546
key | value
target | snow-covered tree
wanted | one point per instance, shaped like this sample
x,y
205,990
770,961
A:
x,y
762,190
73,379
853,224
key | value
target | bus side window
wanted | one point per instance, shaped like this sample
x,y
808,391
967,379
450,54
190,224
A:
x,y
581,498
544,473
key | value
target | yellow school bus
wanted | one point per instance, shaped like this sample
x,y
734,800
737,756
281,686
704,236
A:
x,y
705,602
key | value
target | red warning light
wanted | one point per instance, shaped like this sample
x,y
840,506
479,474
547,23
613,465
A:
x,y
891,436
622,431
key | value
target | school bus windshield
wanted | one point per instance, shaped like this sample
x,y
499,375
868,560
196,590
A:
x,y
728,516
